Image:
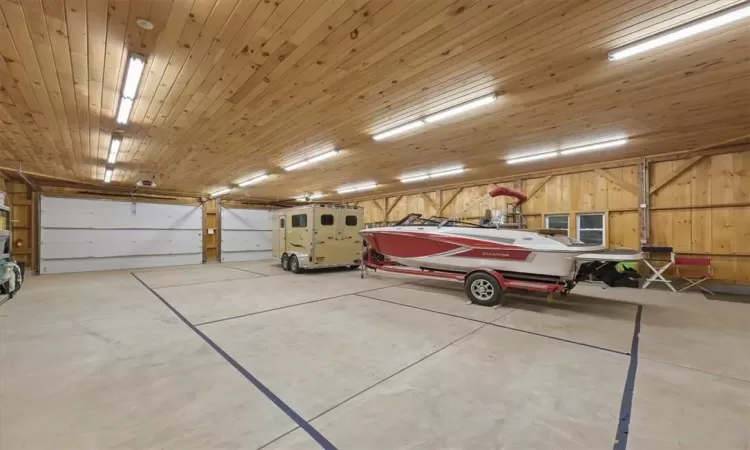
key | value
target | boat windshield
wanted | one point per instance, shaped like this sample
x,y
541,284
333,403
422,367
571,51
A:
x,y
415,219
567,240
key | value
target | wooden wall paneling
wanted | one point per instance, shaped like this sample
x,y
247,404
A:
x,y
22,222
211,242
700,218
449,197
741,187
623,230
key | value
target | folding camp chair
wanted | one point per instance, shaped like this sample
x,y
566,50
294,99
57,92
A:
x,y
694,270
658,272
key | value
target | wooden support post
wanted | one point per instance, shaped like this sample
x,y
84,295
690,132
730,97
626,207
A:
x,y
676,173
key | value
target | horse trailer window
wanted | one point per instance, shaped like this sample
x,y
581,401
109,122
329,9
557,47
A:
x,y
281,223
351,221
326,219
299,221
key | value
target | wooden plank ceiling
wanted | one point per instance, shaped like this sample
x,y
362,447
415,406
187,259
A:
x,y
237,87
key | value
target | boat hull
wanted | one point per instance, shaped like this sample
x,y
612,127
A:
x,y
466,249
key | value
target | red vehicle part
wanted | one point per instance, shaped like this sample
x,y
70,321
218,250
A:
x,y
505,283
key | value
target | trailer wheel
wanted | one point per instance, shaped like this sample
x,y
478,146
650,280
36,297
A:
x,y
294,265
285,262
483,289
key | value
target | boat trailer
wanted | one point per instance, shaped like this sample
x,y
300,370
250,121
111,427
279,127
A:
x,y
485,287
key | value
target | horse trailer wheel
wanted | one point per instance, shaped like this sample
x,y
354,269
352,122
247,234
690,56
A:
x,y
285,262
294,265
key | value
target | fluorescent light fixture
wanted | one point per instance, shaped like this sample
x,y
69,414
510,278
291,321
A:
x,y
311,160
322,156
414,178
536,157
398,130
224,191
436,174
359,187
710,22
133,73
108,175
123,114
462,108
591,147
447,172
253,180
114,148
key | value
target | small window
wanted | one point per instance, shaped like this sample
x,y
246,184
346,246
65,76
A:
x,y
591,228
557,222
326,219
351,221
281,223
299,221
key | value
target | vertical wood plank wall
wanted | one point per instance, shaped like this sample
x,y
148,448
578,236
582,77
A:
x,y
22,202
211,241
703,210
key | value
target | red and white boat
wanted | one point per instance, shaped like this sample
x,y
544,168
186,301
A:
x,y
448,245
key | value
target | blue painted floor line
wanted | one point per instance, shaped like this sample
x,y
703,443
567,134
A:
x,y
302,423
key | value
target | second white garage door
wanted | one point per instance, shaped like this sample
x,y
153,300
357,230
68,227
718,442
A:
x,y
245,234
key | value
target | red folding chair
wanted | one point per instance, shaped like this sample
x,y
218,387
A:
x,y
695,270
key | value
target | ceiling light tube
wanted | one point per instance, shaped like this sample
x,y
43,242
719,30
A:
x,y
253,180
123,113
360,187
398,130
462,108
133,74
710,22
221,192
447,172
591,147
108,175
310,160
114,149
322,156
536,157
414,178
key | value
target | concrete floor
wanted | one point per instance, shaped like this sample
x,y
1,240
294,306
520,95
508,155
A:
x,y
252,357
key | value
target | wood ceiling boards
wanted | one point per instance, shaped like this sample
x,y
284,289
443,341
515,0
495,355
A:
x,y
235,88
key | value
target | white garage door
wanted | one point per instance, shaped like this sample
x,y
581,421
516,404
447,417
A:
x,y
80,235
245,234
